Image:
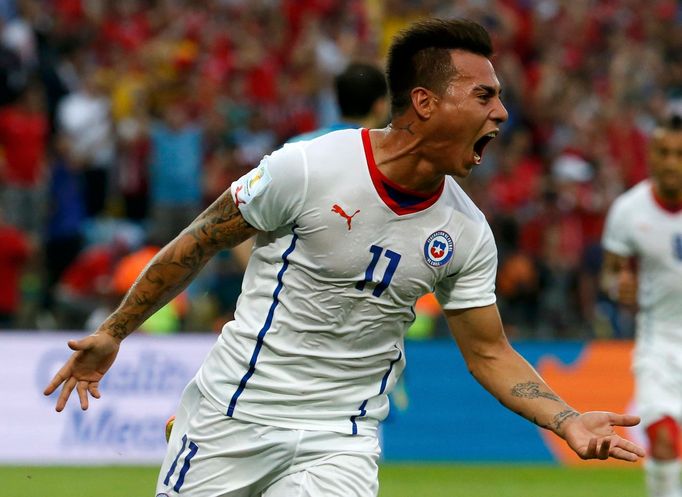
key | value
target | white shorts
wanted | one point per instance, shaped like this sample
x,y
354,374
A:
x,y
212,455
658,381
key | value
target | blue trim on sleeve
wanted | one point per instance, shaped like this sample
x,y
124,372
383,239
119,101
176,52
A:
x,y
265,328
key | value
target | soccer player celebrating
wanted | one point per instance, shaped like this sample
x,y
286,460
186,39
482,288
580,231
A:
x,y
352,227
645,223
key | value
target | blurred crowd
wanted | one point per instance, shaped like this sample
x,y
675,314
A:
x,y
120,121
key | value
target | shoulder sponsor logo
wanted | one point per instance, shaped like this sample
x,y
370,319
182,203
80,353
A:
x,y
256,177
438,249
251,184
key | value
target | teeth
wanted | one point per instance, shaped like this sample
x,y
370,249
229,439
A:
x,y
477,158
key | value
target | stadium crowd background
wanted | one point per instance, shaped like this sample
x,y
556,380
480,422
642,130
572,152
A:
x,y
120,121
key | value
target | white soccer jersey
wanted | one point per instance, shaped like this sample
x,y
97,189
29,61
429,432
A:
x,y
317,339
637,226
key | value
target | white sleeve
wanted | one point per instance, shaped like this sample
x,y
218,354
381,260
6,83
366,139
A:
x,y
474,285
272,194
616,236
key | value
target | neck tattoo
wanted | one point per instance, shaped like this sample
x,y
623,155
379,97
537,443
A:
x,y
407,127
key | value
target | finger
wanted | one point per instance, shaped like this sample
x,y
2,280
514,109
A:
x,y
623,455
591,449
61,376
604,449
82,389
93,388
82,344
629,446
57,380
65,393
623,419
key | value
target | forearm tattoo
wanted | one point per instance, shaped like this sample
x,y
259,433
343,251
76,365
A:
x,y
560,418
219,226
531,390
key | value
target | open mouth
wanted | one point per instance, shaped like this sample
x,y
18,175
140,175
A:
x,y
480,145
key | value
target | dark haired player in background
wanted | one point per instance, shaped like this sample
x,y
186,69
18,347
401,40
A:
x,y
362,99
645,224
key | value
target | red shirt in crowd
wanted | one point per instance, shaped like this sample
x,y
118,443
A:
x,y
14,251
511,190
23,136
628,148
90,272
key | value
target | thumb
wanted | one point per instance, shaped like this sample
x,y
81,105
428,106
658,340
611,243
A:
x,y
82,344
624,420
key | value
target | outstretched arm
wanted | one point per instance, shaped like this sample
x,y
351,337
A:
x,y
505,374
220,226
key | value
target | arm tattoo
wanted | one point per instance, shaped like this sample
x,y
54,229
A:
x,y
531,390
557,421
170,271
560,418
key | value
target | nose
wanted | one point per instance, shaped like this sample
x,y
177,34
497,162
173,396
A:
x,y
499,113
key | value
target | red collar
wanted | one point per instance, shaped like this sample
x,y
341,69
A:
x,y
379,180
671,207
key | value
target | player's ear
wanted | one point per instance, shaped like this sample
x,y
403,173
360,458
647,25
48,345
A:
x,y
423,102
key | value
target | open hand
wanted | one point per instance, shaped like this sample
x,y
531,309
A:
x,y
93,357
592,436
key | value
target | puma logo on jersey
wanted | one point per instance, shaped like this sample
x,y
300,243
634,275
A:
x,y
237,200
339,210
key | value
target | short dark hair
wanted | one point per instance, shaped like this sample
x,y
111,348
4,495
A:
x,y
358,87
420,56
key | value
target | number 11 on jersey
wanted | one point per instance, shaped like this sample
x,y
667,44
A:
x,y
393,260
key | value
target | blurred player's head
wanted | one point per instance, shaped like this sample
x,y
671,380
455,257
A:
x,y
361,93
445,93
665,158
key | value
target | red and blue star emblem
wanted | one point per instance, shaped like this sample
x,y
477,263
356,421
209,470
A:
x,y
438,249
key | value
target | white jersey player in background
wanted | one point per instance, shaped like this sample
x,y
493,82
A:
x,y
351,229
645,224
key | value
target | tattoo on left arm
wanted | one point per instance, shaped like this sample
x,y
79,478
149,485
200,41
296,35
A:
x,y
531,390
560,418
